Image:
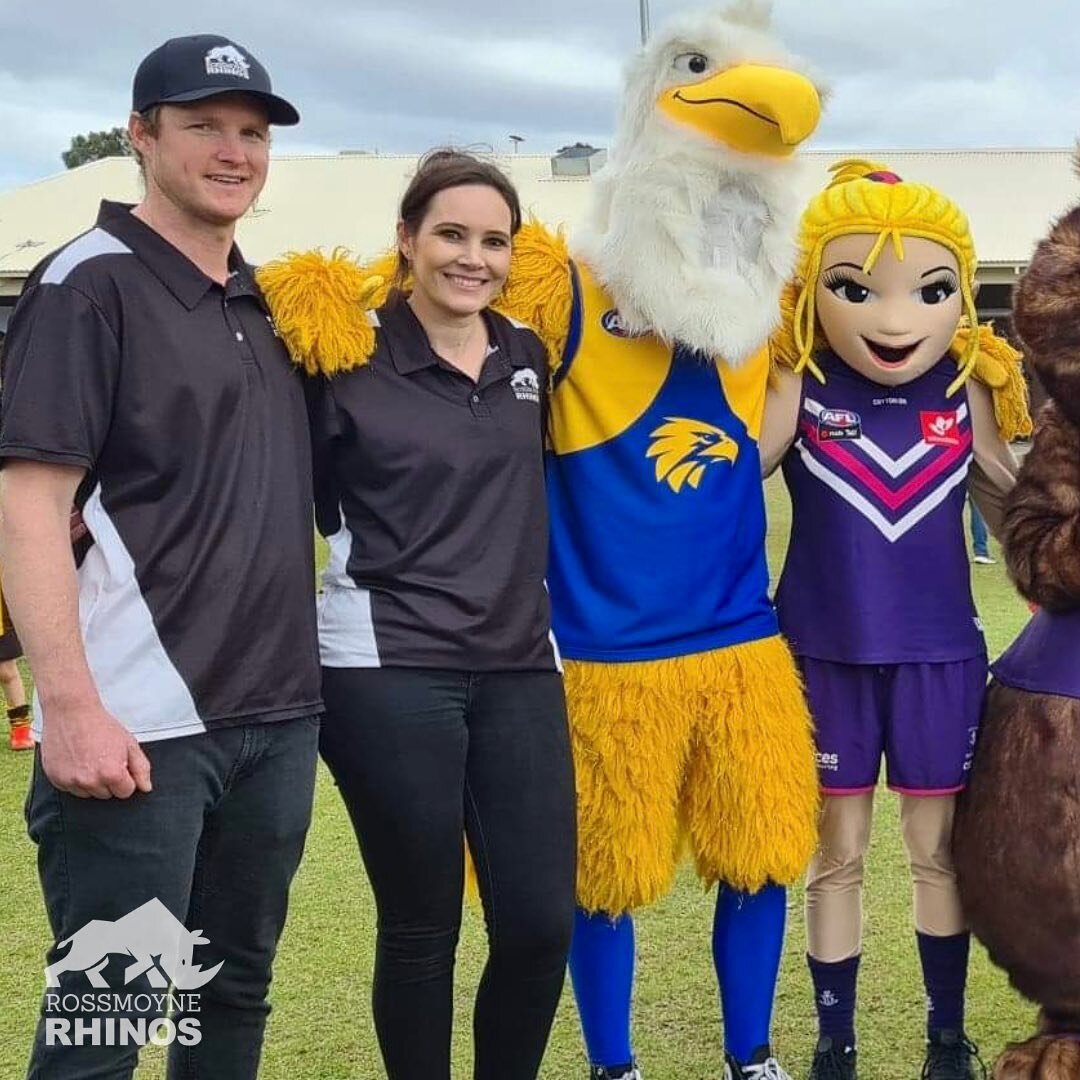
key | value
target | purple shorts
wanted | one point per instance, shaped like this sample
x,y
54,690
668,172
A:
x,y
923,717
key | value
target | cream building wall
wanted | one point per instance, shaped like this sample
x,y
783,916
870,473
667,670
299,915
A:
x,y
1011,197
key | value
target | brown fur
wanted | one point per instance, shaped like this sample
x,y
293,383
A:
x,y
1017,832
1042,516
1046,313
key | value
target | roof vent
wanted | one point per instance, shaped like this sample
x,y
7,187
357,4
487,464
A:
x,y
580,159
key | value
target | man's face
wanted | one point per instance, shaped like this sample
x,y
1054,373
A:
x,y
208,158
897,321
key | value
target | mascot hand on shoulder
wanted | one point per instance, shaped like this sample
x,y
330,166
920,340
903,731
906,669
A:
x,y
1018,826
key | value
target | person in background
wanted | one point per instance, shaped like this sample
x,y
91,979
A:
x,y
980,536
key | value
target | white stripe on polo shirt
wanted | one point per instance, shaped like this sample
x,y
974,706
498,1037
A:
x,y
88,246
346,626
137,681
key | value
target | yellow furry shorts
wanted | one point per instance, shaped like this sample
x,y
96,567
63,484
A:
x,y
713,750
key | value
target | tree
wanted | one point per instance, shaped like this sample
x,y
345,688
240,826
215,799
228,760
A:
x,y
96,145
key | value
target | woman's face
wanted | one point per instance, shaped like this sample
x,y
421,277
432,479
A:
x,y
895,322
460,254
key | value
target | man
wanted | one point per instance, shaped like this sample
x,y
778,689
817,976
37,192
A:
x,y
176,665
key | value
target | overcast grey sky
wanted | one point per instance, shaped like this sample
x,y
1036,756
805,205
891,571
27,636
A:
x,y
403,75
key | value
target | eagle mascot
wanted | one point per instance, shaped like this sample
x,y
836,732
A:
x,y
687,717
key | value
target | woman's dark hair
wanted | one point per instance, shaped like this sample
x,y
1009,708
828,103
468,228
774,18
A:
x,y
442,169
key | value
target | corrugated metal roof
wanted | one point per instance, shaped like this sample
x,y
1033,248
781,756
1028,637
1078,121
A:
x,y
1011,196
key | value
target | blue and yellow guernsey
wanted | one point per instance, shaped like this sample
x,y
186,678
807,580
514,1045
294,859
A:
x,y
654,486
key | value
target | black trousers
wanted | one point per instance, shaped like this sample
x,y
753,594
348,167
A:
x,y
423,759
217,843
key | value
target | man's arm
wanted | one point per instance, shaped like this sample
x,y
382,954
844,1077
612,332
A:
x,y
85,750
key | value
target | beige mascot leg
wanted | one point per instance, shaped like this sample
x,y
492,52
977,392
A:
x,y
926,823
834,880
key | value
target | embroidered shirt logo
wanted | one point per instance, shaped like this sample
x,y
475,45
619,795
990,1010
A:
x,y
227,60
839,424
828,999
526,385
613,323
940,428
685,448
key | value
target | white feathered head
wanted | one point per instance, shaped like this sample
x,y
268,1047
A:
x,y
693,221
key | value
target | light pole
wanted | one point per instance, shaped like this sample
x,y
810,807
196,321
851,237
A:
x,y
516,140
643,17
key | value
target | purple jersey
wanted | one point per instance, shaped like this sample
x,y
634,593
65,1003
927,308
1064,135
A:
x,y
1045,658
877,567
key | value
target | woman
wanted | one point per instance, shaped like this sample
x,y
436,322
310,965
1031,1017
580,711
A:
x,y
444,703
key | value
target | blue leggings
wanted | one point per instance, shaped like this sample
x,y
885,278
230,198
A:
x,y
748,939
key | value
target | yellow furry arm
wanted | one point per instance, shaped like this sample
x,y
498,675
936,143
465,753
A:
x,y
538,291
320,305
997,365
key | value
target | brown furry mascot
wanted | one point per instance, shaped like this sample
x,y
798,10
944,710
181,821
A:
x,y
1017,838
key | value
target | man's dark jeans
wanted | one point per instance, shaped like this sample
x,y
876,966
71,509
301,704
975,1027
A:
x,y
217,841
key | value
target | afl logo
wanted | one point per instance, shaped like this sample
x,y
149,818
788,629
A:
x,y
613,323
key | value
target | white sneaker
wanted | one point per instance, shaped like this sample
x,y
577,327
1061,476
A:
x,y
769,1069
984,560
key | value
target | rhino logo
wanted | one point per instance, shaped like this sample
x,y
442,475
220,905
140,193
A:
x,y
227,60
147,932
526,385
685,448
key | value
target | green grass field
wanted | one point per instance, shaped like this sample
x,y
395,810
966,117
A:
x,y
321,1025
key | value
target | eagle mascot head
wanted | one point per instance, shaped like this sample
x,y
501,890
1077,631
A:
x,y
692,221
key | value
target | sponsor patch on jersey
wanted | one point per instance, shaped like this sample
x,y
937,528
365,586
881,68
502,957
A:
x,y
613,323
940,428
839,424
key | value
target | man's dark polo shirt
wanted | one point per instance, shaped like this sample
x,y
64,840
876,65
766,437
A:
x,y
430,489
196,598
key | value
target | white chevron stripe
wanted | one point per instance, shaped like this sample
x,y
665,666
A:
x,y
892,531
893,466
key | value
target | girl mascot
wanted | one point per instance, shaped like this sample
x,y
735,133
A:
x,y
883,399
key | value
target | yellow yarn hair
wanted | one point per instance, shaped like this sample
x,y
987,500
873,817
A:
x,y
713,751
852,204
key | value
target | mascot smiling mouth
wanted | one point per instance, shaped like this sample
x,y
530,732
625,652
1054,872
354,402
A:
x,y
891,356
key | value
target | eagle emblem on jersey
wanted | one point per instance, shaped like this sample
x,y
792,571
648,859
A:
x,y
685,448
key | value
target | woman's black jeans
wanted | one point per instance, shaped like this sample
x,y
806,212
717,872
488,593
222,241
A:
x,y
424,759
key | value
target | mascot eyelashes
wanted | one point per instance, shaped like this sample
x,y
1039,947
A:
x,y
1018,826
876,422
686,712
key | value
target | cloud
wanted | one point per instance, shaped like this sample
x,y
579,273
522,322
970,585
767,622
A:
x,y
417,73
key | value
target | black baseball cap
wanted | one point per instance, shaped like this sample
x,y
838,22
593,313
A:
x,y
202,66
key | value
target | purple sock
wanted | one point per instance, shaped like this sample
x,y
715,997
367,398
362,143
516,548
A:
x,y
944,965
834,997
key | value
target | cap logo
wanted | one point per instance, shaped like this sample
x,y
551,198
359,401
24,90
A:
x,y
227,60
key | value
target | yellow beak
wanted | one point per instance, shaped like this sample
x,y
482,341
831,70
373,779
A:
x,y
751,108
726,449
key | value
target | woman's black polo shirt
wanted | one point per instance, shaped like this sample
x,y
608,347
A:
x,y
430,490
174,393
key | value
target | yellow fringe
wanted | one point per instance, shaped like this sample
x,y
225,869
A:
x,y
538,291
320,307
998,365
714,750
320,303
